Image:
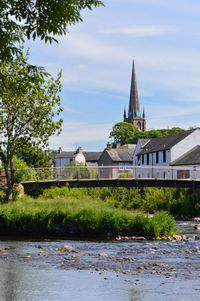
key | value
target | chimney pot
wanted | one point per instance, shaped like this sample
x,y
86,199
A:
x,y
109,146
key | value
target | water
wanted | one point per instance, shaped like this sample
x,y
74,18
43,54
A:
x,y
100,271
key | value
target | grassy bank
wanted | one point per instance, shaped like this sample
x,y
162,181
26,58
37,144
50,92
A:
x,y
67,212
175,201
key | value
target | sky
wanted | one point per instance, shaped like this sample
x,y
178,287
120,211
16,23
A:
x,y
163,39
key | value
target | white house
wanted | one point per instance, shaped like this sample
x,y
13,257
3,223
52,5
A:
x,y
64,158
170,157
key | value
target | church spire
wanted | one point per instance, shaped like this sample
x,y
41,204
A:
x,y
134,105
143,115
124,113
134,115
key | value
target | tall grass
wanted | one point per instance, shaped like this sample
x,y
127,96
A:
x,y
71,212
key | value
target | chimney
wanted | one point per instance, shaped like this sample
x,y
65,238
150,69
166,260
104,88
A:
x,y
109,146
60,150
118,144
79,150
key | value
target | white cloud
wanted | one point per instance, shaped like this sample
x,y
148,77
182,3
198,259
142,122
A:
x,y
141,31
78,133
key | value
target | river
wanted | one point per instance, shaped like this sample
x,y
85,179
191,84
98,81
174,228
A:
x,y
58,270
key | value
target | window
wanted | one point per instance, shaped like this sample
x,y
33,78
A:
x,y
121,166
183,174
138,160
164,156
142,159
147,159
127,166
157,157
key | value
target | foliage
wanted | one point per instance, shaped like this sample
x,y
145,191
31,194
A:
x,y
188,205
82,216
33,156
29,109
23,171
42,19
78,173
126,175
124,133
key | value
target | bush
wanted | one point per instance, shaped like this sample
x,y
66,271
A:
x,y
82,217
126,175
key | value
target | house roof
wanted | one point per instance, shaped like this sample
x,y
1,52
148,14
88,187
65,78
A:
x,y
92,156
121,155
89,156
190,158
164,143
63,154
143,141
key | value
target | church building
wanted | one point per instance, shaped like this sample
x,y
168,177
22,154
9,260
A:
x,y
134,115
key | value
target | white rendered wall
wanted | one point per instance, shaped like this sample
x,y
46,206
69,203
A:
x,y
80,158
185,145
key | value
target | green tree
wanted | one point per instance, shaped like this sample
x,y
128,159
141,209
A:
x,y
23,172
33,156
124,132
29,109
44,19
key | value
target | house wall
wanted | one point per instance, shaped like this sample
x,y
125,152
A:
x,y
185,145
80,158
150,170
62,162
158,170
114,172
105,160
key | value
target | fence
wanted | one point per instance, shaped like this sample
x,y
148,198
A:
x,y
108,172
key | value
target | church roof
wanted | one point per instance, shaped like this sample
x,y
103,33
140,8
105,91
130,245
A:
x,y
164,143
190,158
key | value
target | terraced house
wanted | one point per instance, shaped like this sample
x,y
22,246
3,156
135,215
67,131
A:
x,y
170,157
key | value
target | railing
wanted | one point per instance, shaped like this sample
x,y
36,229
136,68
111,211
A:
x,y
108,172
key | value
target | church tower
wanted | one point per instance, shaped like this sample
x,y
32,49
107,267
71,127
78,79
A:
x,y
134,115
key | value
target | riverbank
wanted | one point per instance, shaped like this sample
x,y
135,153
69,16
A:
x,y
70,213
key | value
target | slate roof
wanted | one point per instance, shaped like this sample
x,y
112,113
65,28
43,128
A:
x,y
164,143
143,141
121,155
92,156
89,156
69,155
190,158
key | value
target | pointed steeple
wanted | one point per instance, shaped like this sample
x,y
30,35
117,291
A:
x,y
134,105
124,113
143,115
134,115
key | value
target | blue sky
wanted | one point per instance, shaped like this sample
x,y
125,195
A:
x,y
96,57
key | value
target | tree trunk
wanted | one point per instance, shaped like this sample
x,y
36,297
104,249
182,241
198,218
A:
x,y
12,172
9,192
